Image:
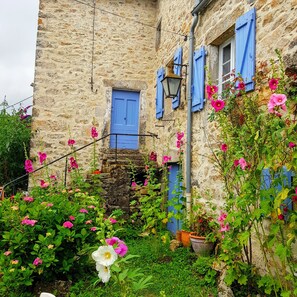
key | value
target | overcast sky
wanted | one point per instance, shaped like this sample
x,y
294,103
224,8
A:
x,y
18,30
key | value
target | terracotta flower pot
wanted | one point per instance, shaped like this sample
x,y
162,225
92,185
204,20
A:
x,y
200,246
178,235
185,238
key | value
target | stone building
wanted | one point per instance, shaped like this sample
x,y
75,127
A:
x,y
101,63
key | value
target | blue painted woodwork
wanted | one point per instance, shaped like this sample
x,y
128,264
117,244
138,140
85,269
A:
x,y
284,181
178,59
173,225
198,85
124,119
245,45
160,94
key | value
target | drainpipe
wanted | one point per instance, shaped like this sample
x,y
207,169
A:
x,y
198,8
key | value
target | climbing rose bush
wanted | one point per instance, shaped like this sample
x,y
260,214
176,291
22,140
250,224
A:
x,y
257,156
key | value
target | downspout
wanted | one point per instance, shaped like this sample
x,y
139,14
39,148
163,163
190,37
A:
x,y
202,5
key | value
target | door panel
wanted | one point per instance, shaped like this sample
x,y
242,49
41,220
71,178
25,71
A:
x,y
124,119
173,225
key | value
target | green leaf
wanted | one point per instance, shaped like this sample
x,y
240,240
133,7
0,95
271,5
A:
x,y
242,279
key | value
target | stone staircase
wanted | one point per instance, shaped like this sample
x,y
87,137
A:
x,y
116,176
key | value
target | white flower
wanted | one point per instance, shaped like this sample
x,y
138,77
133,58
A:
x,y
105,255
104,272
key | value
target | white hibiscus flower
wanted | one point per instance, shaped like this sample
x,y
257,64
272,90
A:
x,y
105,255
104,272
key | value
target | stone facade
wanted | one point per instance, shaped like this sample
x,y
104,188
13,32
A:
x,y
85,53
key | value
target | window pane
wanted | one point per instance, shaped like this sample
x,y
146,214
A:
x,y
226,68
227,53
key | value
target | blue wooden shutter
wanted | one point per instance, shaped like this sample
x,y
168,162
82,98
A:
x,y
198,97
286,180
159,94
245,41
178,58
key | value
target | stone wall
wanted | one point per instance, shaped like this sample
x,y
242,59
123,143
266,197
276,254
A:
x,y
124,56
82,54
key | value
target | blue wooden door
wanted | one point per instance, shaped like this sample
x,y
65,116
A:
x,y
124,119
173,225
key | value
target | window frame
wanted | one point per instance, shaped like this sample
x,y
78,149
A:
x,y
230,41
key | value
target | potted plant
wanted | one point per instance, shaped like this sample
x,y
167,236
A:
x,y
204,228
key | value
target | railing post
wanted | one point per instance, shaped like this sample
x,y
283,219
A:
x,y
66,169
116,148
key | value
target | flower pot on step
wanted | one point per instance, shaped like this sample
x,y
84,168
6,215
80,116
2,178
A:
x,y
185,238
200,246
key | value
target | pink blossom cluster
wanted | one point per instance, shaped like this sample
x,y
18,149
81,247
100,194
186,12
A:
x,y
224,147
166,159
43,184
133,185
28,199
153,156
224,226
71,142
277,103
29,166
37,262
94,132
210,91
273,84
179,139
27,221
42,157
83,210
242,163
67,224
218,104
119,246
73,163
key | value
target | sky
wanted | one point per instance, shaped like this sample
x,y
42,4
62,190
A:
x,y
18,32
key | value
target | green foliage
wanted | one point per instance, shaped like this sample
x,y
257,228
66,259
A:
x,y
258,134
15,134
64,250
203,267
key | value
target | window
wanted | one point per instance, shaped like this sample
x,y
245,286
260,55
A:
x,y
226,63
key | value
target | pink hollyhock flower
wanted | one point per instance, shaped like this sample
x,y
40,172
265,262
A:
x,y
179,143
211,90
37,262
278,99
83,210
224,147
236,163
222,217
94,132
73,163
67,224
133,185
43,184
93,229
7,253
241,86
225,228
42,157
153,156
71,218
243,164
166,159
112,220
112,240
28,199
217,104
145,182
273,84
53,177
88,222
180,135
121,250
292,144
271,105
29,166
91,206
71,142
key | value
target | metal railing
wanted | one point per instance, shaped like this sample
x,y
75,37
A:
x,y
20,178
